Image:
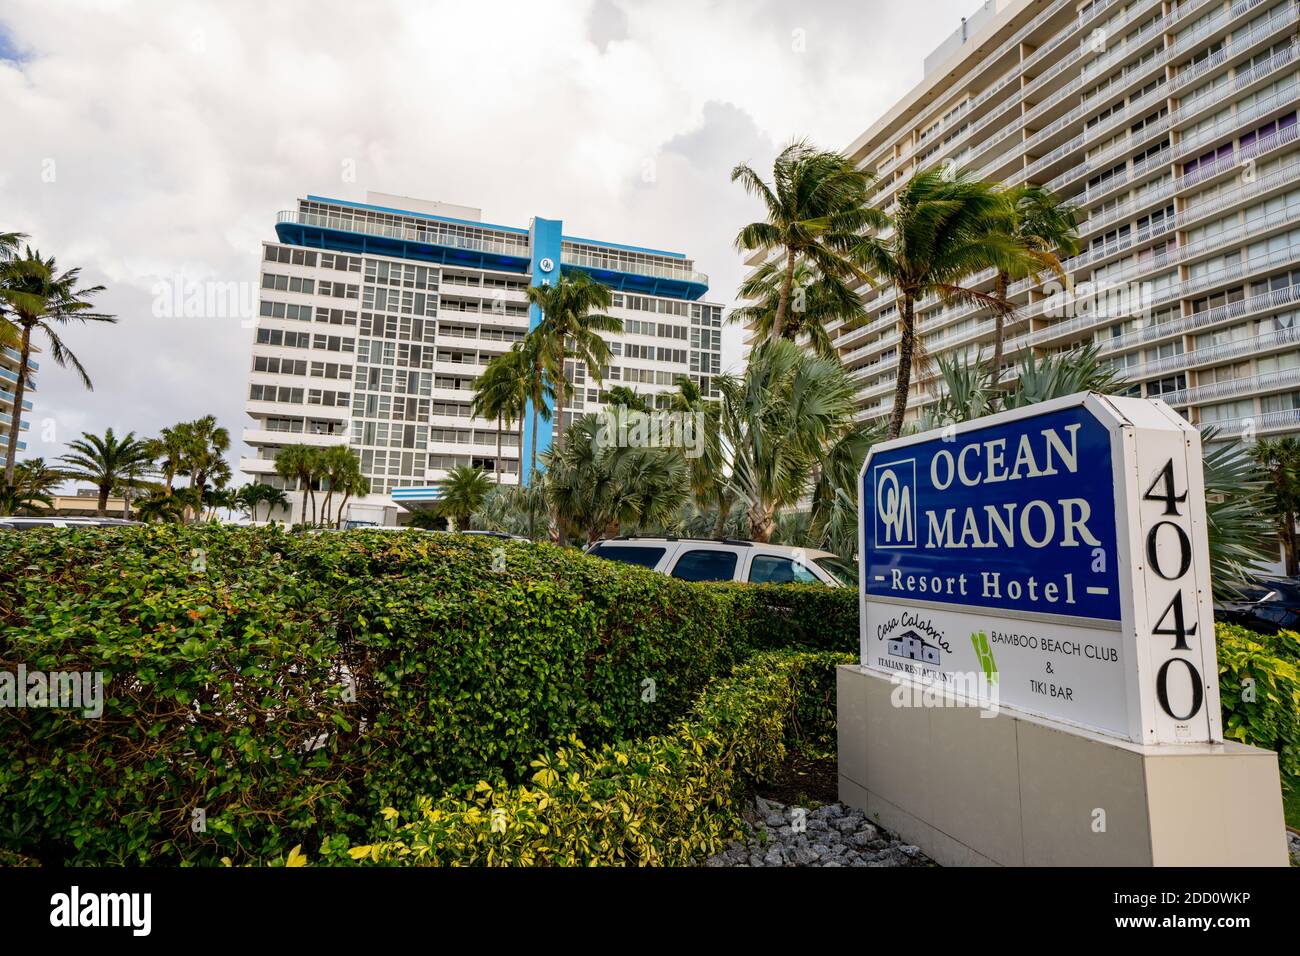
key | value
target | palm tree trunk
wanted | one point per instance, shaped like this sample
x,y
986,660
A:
x,y
999,317
532,450
552,514
303,519
783,303
760,522
102,509
498,461
342,504
560,389
904,382
1292,555
724,511
519,454
15,423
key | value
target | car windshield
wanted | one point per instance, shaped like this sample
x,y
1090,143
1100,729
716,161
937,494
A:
x,y
845,572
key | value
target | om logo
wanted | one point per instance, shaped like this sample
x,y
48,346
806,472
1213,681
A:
x,y
896,504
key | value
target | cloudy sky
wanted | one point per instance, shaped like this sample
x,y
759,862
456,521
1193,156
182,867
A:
x,y
152,143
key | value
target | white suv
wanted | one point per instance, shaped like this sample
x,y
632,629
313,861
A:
x,y
707,559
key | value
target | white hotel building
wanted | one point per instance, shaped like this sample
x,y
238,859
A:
x,y
1172,127
376,318
10,361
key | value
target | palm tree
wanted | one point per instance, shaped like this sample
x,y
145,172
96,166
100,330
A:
x,y
817,301
622,396
219,498
207,444
939,236
1046,229
500,392
816,207
172,447
463,493
777,422
350,482
507,509
537,389
33,488
833,518
9,337
709,487
969,393
300,463
1279,460
569,328
131,480
338,466
161,506
105,462
38,297
252,495
595,487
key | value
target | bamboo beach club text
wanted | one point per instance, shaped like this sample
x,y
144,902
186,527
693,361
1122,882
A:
x,y
1035,524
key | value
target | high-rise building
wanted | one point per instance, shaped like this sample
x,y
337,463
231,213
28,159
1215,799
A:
x,y
9,364
1171,126
376,318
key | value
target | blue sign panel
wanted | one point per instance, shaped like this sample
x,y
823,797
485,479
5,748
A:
x,y
1017,516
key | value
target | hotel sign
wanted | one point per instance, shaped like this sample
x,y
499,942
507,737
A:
x,y
1059,551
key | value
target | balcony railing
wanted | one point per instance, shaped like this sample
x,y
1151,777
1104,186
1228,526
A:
x,y
433,234
1267,421
633,268
1247,385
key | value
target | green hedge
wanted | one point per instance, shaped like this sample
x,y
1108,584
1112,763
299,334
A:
x,y
288,686
1259,690
669,800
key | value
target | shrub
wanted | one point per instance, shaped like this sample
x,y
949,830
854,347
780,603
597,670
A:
x,y
667,800
799,615
1259,689
279,687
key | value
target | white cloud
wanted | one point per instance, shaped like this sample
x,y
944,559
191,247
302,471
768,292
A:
x,y
177,130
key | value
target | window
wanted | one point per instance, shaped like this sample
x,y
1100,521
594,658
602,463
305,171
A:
x,y
640,556
769,569
706,565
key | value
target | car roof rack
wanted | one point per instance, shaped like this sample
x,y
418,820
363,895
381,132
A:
x,y
676,537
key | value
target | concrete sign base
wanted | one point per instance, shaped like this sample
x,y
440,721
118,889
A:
x,y
970,788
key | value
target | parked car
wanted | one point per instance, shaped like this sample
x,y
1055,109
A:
x,y
1266,605
26,523
726,559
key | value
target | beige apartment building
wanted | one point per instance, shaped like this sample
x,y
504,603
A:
x,y
1172,127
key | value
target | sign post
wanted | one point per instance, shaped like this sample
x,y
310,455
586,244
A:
x,y
1047,565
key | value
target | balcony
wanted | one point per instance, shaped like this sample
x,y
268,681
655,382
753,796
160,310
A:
x,y
264,436
431,242
1236,387
645,277
1285,420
